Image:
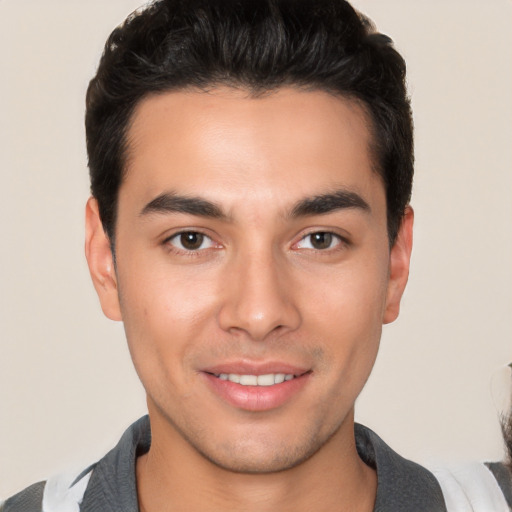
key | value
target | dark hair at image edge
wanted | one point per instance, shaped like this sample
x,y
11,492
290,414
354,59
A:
x,y
258,45
506,427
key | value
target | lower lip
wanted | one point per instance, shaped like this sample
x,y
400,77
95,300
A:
x,y
257,398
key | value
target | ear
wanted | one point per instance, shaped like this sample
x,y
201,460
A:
x,y
399,262
101,264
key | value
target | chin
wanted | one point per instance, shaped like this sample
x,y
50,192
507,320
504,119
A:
x,y
262,454
244,462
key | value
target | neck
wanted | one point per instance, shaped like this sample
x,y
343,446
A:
x,y
174,476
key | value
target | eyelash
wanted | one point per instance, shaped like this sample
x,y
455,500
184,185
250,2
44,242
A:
x,y
183,250
339,242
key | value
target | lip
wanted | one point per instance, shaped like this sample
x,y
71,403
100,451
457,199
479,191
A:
x,y
253,368
256,398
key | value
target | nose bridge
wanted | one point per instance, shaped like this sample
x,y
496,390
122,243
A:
x,y
258,299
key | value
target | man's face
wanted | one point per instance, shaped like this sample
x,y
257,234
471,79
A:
x,y
253,270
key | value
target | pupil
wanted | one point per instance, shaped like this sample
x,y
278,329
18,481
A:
x,y
191,241
321,240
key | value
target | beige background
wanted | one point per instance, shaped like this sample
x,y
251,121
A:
x,y
67,389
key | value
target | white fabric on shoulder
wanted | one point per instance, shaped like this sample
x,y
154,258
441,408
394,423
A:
x,y
61,496
470,487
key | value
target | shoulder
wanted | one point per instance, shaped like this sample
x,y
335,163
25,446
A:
x,y
474,486
503,475
402,485
62,492
109,484
28,500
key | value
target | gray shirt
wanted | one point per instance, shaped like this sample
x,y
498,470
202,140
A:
x,y
403,486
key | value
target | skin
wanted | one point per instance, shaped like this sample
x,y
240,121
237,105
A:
x,y
257,290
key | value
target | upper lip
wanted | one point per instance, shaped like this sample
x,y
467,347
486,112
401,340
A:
x,y
256,368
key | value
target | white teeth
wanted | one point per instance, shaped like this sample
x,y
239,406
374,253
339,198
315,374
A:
x,y
248,380
256,380
266,380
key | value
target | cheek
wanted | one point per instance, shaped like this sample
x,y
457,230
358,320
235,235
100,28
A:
x,y
346,316
349,297
164,315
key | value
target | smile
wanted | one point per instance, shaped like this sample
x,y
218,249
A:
x,y
257,391
269,379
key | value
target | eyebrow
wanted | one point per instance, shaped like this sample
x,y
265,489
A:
x,y
327,203
169,202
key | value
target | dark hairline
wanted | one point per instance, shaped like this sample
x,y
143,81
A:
x,y
127,145
312,45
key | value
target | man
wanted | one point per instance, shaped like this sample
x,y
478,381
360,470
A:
x,y
480,487
251,169
503,471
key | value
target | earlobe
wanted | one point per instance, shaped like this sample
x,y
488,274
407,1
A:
x,y
101,264
399,263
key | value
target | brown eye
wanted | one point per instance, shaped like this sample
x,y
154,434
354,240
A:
x,y
320,241
191,241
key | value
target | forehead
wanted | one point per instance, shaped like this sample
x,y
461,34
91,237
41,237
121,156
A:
x,y
289,140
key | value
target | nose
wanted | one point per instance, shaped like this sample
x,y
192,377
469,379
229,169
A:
x,y
258,298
